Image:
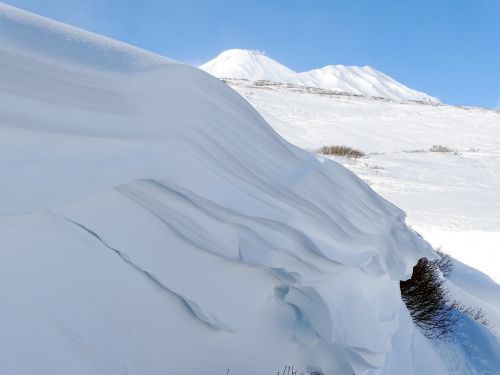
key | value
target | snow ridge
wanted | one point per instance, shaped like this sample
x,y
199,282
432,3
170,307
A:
x,y
111,167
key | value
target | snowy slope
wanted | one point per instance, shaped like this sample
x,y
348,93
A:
x,y
152,222
452,198
365,81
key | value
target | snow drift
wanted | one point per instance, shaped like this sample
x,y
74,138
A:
x,y
364,81
153,223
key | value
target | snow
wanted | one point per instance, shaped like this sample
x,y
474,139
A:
x,y
248,64
365,81
152,222
452,199
63,44
478,249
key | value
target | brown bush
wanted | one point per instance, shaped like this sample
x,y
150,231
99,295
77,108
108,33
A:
x,y
445,264
341,150
439,148
427,300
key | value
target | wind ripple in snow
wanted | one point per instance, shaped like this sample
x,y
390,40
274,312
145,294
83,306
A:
x,y
283,254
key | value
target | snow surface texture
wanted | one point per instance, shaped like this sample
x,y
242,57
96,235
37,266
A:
x,y
452,198
364,81
152,222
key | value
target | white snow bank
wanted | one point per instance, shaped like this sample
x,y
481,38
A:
x,y
365,81
41,38
152,222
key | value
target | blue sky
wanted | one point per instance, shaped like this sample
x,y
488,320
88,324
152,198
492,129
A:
x,y
447,48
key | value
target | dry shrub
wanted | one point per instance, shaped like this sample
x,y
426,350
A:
x,y
475,313
427,300
445,264
439,148
341,150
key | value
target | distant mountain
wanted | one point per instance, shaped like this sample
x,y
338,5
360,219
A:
x,y
366,81
251,65
362,81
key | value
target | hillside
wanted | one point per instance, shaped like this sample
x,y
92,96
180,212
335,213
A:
x,y
452,198
152,222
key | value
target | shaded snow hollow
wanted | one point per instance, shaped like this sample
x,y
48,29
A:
x,y
366,81
153,223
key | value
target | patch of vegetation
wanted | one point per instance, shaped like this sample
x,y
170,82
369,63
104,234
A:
x,y
428,301
475,313
445,264
439,148
341,151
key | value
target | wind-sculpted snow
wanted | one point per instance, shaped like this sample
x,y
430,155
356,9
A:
x,y
152,222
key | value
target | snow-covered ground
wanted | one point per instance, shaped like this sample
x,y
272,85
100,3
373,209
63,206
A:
x,y
152,222
451,198
357,80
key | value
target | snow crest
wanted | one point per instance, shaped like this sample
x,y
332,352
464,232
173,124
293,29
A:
x,y
153,222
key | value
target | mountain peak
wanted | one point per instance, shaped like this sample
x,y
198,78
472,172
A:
x,y
248,64
254,65
240,51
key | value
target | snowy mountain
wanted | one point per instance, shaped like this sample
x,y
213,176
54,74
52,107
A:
x,y
152,222
250,65
365,81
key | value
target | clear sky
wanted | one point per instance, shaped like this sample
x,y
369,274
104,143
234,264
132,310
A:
x,y
447,48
